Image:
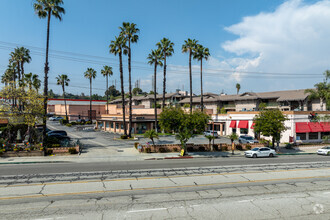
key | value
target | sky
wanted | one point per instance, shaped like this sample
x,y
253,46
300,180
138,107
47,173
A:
x,y
263,45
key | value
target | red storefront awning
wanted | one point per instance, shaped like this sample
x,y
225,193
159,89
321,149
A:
x,y
302,127
252,126
325,126
232,124
315,127
243,124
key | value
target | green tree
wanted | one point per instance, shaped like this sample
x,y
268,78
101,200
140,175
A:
x,y
36,82
31,80
90,74
201,53
63,80
210,138
155,58
151,134
189,47
112,91
233,137
270,123
129,31
46,9
166,47
117,47
238,87
106,72
137,91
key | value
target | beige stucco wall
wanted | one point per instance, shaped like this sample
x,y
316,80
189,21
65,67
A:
x,y
247,104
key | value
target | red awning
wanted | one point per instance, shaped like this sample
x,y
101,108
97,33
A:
x,y
302,127
232,124
325,126
315,127
243,124
252,126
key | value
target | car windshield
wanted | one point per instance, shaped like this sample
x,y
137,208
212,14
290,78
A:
x,y
249,138
255,149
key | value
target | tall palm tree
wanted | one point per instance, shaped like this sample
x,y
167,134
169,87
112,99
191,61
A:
x,y
106,72
166,47
129,32
117,47
63,81
24,57
238,87
36,82
46,9
28,80
15,60
189,47
90,74
155,58
201,53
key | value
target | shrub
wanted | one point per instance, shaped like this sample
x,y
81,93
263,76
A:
x,y
136,144
68,124
64,121
224,148
190,149
147,150
248,147
89,122
239,147
73,150
201,149
73,123
175,149
162,150
123,137
52,142
49,151
288,146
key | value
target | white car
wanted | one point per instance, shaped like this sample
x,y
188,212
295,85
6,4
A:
x,y
211,133
246,139
260,152
55,118
324,151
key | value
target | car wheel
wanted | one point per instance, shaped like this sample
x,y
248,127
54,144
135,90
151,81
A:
x,y
271,155
254,156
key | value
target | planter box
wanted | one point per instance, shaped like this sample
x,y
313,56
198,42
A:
x,y
63,150
35,153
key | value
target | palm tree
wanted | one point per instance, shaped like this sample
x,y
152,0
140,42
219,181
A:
x,y
189,47
24,57
201,53
63,81
36,82
238,87
106,72
166,47
118,47
45,9
15,60
28,80
90,74
155,58
151,134
129,32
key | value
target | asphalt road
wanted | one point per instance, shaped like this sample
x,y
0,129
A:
x,y
40,168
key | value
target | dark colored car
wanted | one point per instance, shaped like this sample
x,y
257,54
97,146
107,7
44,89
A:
x,y
81,121
40,129
57,132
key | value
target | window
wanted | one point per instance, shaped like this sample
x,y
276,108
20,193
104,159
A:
x,y
107,124
111,124
301,136
323,134
244,130
117,125
122,126
313,136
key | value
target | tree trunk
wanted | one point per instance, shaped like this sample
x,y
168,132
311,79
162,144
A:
x,y
155,96
273,142
107,94
46,83
122,90
164,82
190,79
90,99
66,111
202,104
129,88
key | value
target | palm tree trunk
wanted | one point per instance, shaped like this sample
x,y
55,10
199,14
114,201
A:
x,y
90,99
107,94
190,79
202,104
130,88
122,90
66,111
155,96
164,82
46,83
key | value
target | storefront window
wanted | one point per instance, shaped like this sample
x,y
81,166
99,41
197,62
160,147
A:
x,y
313,135
100,124
117,125
323,134
301,136
244,130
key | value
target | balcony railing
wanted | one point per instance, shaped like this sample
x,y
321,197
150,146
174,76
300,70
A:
x,y
229,105
271,104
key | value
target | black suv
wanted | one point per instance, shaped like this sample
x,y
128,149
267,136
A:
x,y
57,133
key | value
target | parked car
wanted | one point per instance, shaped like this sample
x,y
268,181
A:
x,y
40,129
55,118
211,133
324,151
57,132
80,121
60,137
246,139
260,152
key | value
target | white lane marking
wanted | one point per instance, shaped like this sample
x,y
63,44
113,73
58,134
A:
x,y
249,200
326,193
147,210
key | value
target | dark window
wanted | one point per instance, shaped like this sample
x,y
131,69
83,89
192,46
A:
x,y
244,130
111,124
325,134
122,126
107,124
117,125
313,135
301,136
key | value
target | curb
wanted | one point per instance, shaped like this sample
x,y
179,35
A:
x,y
295,153
34,162
184,157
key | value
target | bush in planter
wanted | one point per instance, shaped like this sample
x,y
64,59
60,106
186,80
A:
x,y
68,124
202,149
73,123
73,150
64,121
49,151
224,148
175,149
162,150
239,147
123,137
288,146
147,150
136,144
52,142
190,149
248,147
89,122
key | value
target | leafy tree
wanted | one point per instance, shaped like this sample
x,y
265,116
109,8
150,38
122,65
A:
x,y
32,80
106,72
151,134
117,47
129,32
270,123
238,87
155,58
201,53
46,9
112,91
189,47
166,47
90,74
63,81
232,138
137,91
262,106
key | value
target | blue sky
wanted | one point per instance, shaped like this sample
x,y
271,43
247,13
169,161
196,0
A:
x,y
263,45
